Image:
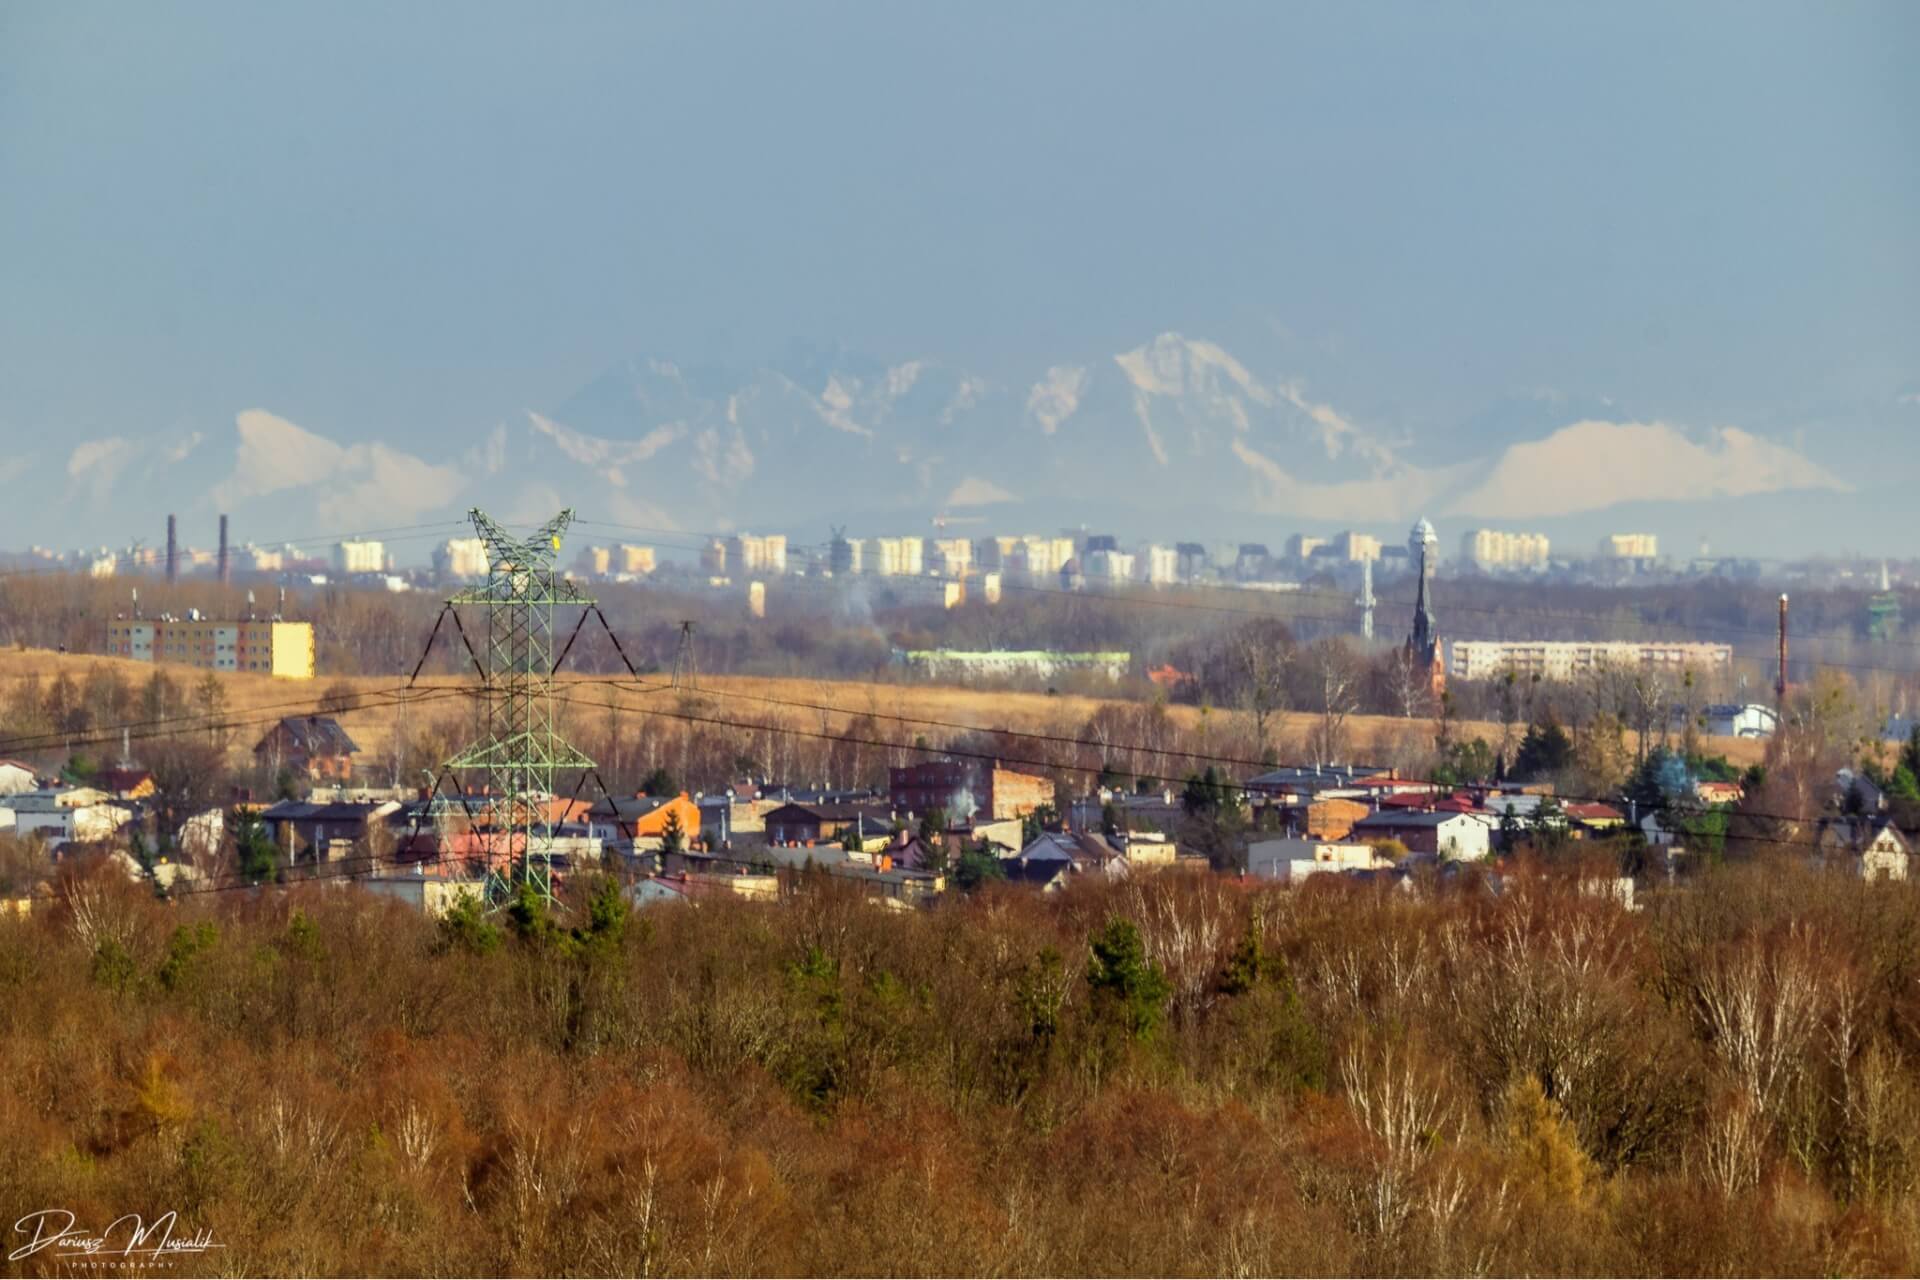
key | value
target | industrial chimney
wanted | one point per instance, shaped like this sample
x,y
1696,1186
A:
x,y
173,553
1780,683
224,576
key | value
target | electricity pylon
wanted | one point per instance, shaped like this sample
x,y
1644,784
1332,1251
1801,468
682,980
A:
x,y
519,753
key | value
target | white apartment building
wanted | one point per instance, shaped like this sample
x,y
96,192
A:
x,y
1040,557
953,556
751,553
640,560
461,558
1109,567
1356,546
1566,659
360,556
1159,566
1495,549
898,557
1629,546
1302,545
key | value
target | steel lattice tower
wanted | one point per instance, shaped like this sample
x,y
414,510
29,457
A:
x,y
519,754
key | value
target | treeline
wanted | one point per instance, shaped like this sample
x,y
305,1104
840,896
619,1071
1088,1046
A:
x,y
849,630
1177,1076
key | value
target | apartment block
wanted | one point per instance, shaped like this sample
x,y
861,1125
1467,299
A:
x,y
1302,545
1495,549
1566,659
360,556
267,648
1356,547
1629,546
461,558
1159,566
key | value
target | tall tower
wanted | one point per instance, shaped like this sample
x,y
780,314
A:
x,y
225,576
520,754
1366,600
173,552
1423,642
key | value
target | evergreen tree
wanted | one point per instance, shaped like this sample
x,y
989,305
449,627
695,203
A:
x,y
1127,988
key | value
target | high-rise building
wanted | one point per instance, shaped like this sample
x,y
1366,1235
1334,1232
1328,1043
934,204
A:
x,y
1629,546
953,556
635,559
364,555
460,558
1495,549
713,557
1352,546
1159,566
1108,566
1302,545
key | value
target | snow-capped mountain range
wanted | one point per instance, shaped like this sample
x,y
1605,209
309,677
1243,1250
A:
x,y
1173,435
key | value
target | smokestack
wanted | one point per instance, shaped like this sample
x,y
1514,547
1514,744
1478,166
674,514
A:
x,y
173,553
223,550
1780,684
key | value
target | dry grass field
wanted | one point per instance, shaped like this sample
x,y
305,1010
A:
x,y
903,711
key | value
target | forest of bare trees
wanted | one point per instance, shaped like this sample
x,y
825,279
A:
x,y
1175,1076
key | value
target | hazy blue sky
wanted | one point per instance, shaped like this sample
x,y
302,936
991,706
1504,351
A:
x,y
406,221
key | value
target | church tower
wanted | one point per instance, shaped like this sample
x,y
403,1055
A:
x,y
1423,642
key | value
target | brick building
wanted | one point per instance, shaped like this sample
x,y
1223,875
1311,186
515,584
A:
x,y
966,788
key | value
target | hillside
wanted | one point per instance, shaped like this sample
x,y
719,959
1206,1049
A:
x,y
810,707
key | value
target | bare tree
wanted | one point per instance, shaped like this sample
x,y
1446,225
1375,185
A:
x,y
1263,663
1336,685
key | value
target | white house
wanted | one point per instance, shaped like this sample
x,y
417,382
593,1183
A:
x,y
1446,834
15,778
1292,861
50,816
1878,849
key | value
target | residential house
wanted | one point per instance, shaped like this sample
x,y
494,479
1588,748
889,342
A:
x,y
1055,855
66,815
968,788
1595,819
314,747
1874,845
1730,720
308,832
431,895
16,777
1718,793
642,820
125,783
1293,860
1443,834
808,824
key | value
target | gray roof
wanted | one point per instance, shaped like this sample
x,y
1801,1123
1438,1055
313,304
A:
x,y
316,735
1404,819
